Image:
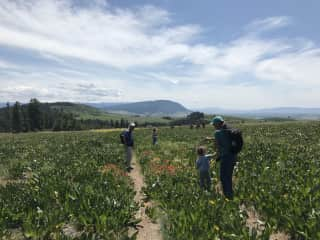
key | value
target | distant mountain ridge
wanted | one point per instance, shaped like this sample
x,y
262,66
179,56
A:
x,y
170,108
149,108
280,112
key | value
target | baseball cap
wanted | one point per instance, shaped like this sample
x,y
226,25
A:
x,y
217,119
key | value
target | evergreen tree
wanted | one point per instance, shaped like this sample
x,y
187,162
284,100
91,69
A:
x,y
57,125
34,113
117,124
7,117
16,118
122,123
25,120
107,124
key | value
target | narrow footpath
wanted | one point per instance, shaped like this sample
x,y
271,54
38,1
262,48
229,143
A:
x,y
147,229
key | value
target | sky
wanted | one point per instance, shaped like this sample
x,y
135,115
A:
x,y
229,54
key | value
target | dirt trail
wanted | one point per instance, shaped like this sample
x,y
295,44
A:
x,y
4,181
148,229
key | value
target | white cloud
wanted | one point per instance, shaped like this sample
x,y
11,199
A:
x,y
144,45
58,92
298,68
25,92
63,85
119,38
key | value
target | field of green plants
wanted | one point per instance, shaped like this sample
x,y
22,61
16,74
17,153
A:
x,y
73,184
277,175
64,185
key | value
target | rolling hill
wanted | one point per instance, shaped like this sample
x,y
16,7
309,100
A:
x,y
150,108
83,111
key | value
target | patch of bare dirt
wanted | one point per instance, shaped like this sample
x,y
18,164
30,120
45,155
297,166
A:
x,y
148,230
26,176
254,222
279,236
4,181
71,231
14,234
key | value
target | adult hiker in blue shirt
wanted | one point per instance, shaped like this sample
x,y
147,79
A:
x,y
128,145
227,158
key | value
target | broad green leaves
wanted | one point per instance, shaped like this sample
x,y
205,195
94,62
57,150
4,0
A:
x,y
58,182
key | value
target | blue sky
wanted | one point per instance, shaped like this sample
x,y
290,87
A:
x,y
229,54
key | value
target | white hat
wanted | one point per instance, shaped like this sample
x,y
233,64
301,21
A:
x,y
132,124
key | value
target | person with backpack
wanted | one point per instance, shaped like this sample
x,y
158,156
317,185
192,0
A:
x,y
154,136
228,143
126,138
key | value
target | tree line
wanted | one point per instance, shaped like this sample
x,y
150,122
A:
x,y
37,116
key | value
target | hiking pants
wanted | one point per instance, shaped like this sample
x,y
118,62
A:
x,y
226,170
154,140
128,155
205,180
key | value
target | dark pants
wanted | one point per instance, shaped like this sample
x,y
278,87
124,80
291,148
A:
x,y
226,170
154,140
205,180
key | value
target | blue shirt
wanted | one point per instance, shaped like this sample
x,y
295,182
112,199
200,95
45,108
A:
x,y
203,163
129,138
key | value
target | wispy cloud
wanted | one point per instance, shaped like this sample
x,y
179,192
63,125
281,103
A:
x,y
267,24
94,91
7,65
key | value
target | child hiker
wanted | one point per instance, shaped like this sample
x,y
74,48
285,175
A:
x,y
203,165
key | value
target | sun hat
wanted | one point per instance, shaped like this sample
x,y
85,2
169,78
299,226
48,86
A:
x,y
216,120
132,124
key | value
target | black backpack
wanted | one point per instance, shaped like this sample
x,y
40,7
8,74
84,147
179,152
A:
x,y
123,137
236,140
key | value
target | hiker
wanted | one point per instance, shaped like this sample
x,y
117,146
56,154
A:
x,y
128,145
203,166
154,136
225,154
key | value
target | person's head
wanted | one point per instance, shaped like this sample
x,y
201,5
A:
x,y
217,122
154,129
201,150
132,126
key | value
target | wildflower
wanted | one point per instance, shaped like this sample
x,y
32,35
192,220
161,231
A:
x,y
39,210
216,228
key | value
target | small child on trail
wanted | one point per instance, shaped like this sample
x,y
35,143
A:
x,y
203,165
154,136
